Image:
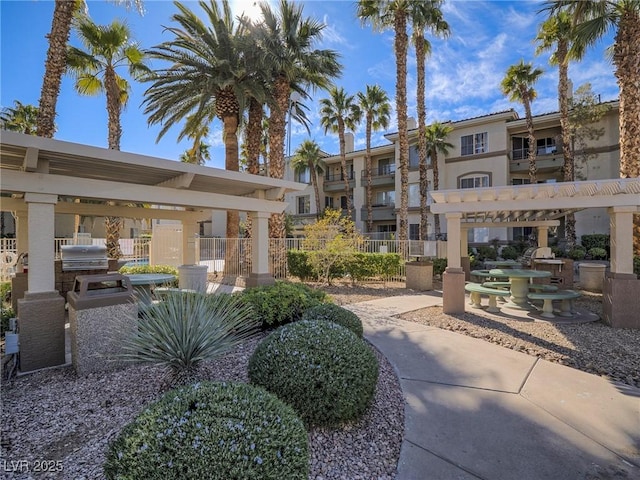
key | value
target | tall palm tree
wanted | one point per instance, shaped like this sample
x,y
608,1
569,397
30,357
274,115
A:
x,y
436,137
383,14
556,33
198,154
108,48
424,16
375,106
518,86
594,19
309,156
20,118
208,77
287,42
338,113
56,62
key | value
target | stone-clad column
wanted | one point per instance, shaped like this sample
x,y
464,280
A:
x,y
41,315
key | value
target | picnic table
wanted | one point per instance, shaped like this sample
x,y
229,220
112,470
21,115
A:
x,y
519,280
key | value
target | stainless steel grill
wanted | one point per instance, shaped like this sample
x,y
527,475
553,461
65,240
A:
x,y
533,253
84,257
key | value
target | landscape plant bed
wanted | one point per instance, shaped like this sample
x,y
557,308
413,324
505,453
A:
x,y
55,415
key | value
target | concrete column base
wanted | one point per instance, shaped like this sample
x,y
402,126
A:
x,y
419,276
259,279
41,326
19,285
620,300
453,290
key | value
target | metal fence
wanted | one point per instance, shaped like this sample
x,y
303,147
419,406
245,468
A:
x,y
232,256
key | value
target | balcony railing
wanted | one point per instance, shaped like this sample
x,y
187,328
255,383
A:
x,y
380,171
523,153
336,177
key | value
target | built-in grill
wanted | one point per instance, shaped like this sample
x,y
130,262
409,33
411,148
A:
x,y
534,253
84,257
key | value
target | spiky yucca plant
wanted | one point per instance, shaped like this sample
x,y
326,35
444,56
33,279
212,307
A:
x,y
188,328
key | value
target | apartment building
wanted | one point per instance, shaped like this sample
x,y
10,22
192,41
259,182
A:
x,y
488,151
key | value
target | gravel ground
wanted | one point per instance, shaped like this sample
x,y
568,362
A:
x,y
593,347
56,416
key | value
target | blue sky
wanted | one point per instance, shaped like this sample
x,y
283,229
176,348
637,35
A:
x,y
463,72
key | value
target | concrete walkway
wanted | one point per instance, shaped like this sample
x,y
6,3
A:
x,y
475,410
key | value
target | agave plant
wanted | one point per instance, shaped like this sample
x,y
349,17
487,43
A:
x,y
187,329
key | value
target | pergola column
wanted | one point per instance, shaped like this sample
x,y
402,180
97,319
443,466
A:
x,y
543,236
189,230
453,276
259,250
464,253
621,286
41,314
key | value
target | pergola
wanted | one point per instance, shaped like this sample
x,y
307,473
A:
x,y
540,206
39,177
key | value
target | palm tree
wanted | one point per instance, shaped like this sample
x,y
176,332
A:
x,y
375,106
435,135
198,154
207,77
424,15
21,118
108,48
383,14
287,44
557,31
338,113
593,20
309,156
518,86
56,62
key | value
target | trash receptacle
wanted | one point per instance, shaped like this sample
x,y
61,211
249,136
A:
x,y
419,275
592,276
193,277
103,312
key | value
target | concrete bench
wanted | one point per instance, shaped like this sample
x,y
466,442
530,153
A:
x,y
475,289
162,292
538,287
566,307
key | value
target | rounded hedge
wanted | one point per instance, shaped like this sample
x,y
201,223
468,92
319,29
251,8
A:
x,y
212,430
323,370
282,302
331,312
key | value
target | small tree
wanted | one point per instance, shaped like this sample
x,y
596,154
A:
x,y
331,242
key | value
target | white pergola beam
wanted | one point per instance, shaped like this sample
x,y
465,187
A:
x,y
181,181
30,162
124,192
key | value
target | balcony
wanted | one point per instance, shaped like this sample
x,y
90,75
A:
x,y
380,211
384,175
548,159
335,182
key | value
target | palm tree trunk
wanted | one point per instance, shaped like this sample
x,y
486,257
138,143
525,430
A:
x,y
343,166
313,174
368,169
254,135
400,46
436,185
231,163
422,141
114,108
626,57
533,169
112,226
55,66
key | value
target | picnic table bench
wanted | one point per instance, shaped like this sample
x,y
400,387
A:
x,y
566,307
475,289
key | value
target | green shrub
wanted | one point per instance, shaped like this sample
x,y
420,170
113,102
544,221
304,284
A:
x,y
166,269
336,314
219,431
186,329
281,303
439,265
636,265
595,240
324,371
487,253
6,312
558,252
577,253
297,261
5,291
597,253
509,253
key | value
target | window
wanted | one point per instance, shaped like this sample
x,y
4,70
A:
x,y
414,195
546,146
303,176
474,181
385,167
343,201
414,160
519,147
520,181
473,144
328,202
304,205
385,199
414,231
387,228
